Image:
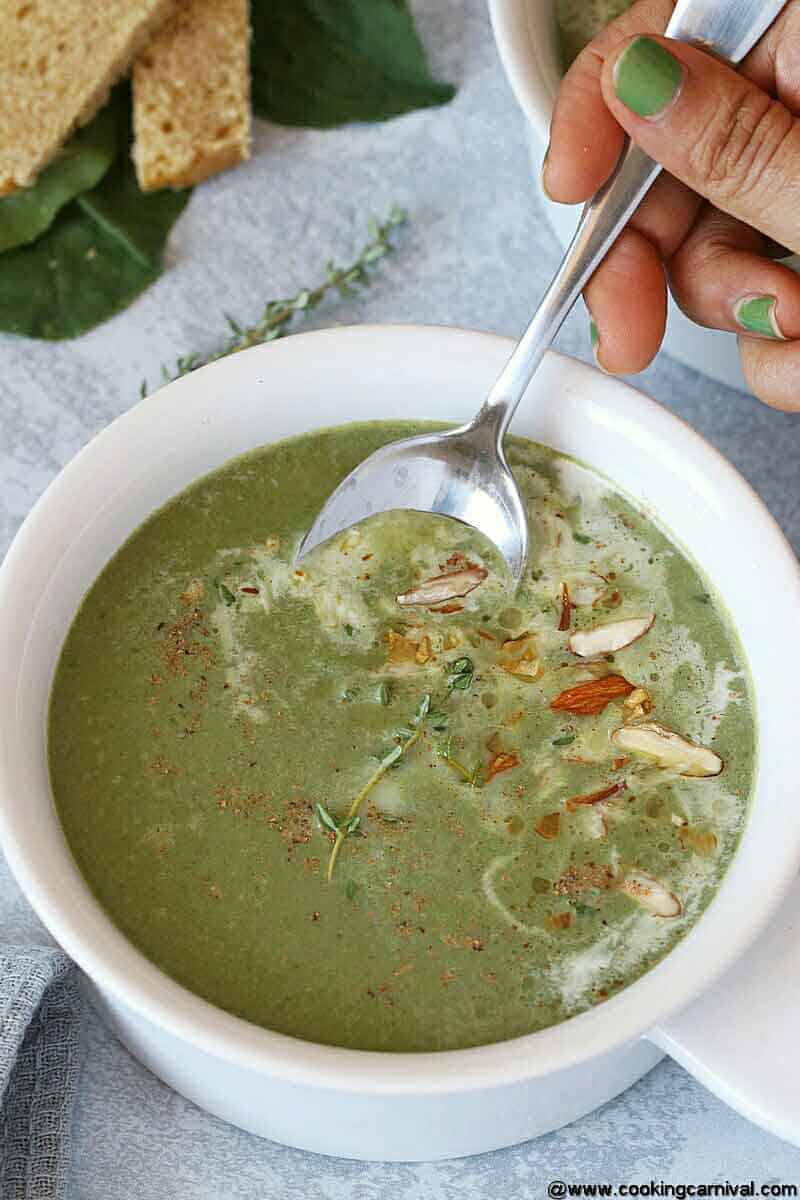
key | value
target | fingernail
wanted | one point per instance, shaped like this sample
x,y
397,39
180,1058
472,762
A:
x,y
543,176
756,314
647,78
595,339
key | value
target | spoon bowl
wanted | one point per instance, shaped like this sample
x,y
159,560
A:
x,y
461,473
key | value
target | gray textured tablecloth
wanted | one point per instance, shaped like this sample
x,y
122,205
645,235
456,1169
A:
x,y
476,253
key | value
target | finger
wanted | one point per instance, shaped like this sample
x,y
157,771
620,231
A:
x,y
774,63
721,278
585,139
628,318
772,370
711,128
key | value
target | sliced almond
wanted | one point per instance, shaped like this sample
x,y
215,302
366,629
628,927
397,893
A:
x,y
586,589
518,657
668,749
590,698
610,637
403,650
637,705
439,589
651,894
501,762
559,920
702,841
566,609
596,797
548,826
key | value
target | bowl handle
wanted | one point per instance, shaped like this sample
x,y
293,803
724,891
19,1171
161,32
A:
x,y
740,1039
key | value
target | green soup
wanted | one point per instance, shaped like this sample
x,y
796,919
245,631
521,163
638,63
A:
x,y
504,857
578,21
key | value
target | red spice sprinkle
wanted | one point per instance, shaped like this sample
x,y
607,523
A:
x,y
249,591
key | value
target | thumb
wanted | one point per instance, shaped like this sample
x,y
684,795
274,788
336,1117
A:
x,y
712,128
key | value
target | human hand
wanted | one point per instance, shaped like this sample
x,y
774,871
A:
x,y
730,204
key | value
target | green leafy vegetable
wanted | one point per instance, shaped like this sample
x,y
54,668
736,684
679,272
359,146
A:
x,y
565,740
81,164
582,538
325,62
227,595
100,252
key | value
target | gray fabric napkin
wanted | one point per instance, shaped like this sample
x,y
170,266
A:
x,y
40,1033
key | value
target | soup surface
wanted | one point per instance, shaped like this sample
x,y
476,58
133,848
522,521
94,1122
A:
x,y
578,21
402,824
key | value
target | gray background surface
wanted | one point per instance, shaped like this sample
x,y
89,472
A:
x,y
476,253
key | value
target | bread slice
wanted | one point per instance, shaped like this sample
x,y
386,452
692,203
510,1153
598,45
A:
x,y
191,96
58,61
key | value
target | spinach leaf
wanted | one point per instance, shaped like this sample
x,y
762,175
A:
x,y
81,164
325,62
100,252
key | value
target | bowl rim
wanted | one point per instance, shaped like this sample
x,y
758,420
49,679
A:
x,y
119,969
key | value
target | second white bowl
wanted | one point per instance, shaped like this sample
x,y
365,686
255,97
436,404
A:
x,y
525,33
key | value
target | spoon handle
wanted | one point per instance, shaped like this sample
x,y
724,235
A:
x,y
729,28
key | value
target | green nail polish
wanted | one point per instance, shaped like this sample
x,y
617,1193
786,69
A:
x,y
757,315
647,78
594,335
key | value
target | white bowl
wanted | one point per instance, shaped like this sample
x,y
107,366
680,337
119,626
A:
x,y
526,39
410,1106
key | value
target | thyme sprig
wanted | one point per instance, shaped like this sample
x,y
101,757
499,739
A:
x,y
352,818
459,678
278,315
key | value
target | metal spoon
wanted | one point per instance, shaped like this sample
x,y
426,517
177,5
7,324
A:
x,y
463,473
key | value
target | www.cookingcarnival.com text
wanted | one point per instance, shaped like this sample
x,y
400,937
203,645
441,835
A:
x,y
558,1189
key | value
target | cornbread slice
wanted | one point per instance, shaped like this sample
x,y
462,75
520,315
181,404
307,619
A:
x,y
58,61
191,96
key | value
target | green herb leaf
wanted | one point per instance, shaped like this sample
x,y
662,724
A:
x,y
326,818
80,166
100,252
227,595
461,674
423,708
566,740
582,538
384,694
348,629
325,62
438,721
392,757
